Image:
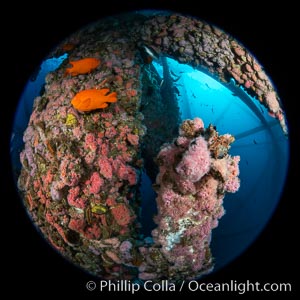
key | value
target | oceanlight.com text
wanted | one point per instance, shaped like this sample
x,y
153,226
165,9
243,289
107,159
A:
x,y
239,287
234,286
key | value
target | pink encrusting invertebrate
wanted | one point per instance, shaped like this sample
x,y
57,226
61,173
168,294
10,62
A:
x,y
191,184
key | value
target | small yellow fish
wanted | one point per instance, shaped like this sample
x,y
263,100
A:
x,y
88,100
82,66
99,209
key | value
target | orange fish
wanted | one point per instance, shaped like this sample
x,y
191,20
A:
x,y
88,100
82,66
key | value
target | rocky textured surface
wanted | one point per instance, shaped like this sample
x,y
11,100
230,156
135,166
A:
x,y
80,170
191,41
195,172
204,46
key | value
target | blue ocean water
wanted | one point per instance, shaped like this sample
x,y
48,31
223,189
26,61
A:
x,y
260,142
32,89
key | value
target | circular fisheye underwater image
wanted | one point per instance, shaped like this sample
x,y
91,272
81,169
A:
x,y
150,145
